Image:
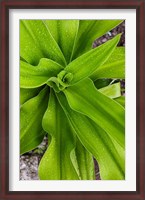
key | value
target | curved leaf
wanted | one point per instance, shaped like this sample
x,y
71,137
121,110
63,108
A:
x,y
29,49
36,42
86,64
99,83
114,67
85,162
95,141
31,132
52,25
109,115
121,100
67,31
32,77
26,94
112,91
89,30
56,163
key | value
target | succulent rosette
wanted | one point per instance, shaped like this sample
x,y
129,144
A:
x,y
64,93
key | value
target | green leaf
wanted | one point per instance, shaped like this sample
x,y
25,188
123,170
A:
x,y
99,83
22,59
121,100
32,77
56,163
29,49
36,42
85,162
67,31
112,91
109,115
86,64
119,149
26,94
52,25
31,113
89,30
96,141
114,67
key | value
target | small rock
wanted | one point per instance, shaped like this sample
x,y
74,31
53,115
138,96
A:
x,y
104,40
23,166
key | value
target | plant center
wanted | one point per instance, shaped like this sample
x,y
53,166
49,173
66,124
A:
x,y
60,82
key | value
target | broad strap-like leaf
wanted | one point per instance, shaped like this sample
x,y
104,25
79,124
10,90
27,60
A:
x,y
31,113
52,25
26,94
114,67
32,77
112,91
121,100
56,163
89,30
85,162
83,97
86,64
29,49
96,141
67,31
36,42
99,83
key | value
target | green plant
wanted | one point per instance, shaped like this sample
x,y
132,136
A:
x,y
63,93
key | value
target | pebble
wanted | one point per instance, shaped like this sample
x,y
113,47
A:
x,y
104,40
23,166
109,33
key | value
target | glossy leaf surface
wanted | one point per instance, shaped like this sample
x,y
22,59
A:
x,y
89,31
85,162
86,64
26,94
56,163
36,42
114,67
32,77
31,113
67,31
112,91
99,83
83,119
64,32
121,100
95,141
109,115
52,25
